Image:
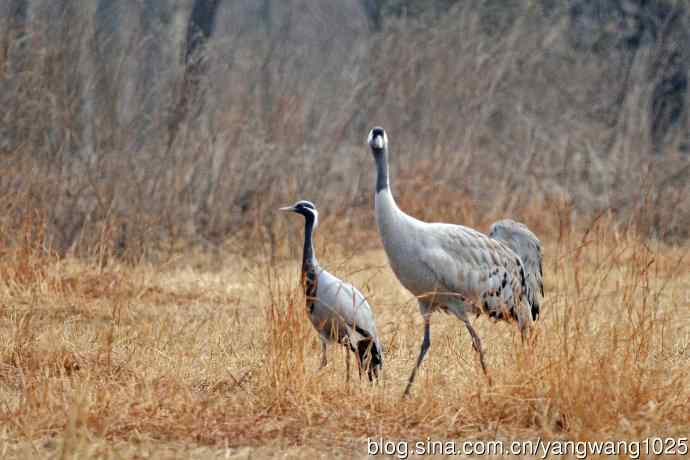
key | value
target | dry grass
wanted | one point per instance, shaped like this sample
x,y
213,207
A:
x,y
117,340
197,359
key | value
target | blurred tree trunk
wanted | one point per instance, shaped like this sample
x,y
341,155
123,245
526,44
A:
x,y
14,13
199,30
633,29
13,20
84,21
372,10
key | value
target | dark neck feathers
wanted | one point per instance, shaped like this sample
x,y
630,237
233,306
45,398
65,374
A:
x,y
381,157
309,264
308,257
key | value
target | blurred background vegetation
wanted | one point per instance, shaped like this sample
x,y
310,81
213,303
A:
x,y
147,123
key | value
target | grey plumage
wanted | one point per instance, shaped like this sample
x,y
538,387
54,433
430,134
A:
x,y
338,311
525,244
448,267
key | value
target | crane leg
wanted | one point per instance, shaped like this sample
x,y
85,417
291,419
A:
x,y
426,342
324,359
525,324
347,365
477,345
364,354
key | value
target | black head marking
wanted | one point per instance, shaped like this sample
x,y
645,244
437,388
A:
x,y
306,208
377,140
304,204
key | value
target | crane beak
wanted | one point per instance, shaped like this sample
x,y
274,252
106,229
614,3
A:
x,y
287,209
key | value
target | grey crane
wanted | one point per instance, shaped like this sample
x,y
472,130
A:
x,y
338,311
454,268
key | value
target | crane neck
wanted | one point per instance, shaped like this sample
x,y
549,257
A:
x,y
383,177
382,181
309,263
308,255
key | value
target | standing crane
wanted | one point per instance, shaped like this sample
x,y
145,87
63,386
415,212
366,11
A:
x,y
454,268
338,311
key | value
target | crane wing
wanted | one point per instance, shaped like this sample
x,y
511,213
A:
x,y
342,302
485,273
525,244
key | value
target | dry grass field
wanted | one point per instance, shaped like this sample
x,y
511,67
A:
x,y
213,356
149,298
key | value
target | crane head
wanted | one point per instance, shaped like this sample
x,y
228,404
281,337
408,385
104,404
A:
x,y
304,207
377,140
